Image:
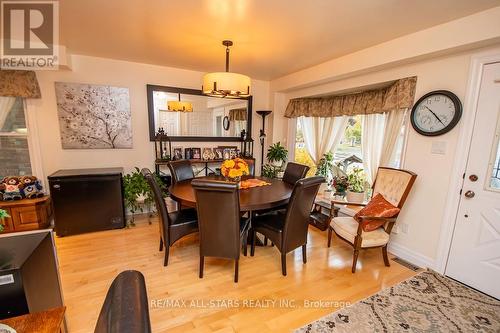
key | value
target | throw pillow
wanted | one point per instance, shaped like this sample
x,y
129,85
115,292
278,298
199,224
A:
x,y
377,207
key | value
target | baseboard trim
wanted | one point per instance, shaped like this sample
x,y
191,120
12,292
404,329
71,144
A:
x,y
411,256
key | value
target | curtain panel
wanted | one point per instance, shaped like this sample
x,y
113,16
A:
x,y
398,96
238,114
18,83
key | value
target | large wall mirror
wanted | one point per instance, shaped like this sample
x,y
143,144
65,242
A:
x,y
197,117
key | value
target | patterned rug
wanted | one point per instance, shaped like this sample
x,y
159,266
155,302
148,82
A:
x,y
428,302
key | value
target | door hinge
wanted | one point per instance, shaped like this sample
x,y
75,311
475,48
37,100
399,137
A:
x,y
461,191
463,176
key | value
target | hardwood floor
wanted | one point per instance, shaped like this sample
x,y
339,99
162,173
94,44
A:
x,y
90,262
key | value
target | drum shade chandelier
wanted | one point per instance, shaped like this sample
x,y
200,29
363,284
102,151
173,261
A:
x,y
226,84
178,106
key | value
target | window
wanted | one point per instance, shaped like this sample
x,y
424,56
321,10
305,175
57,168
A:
x,y
348,150
14,148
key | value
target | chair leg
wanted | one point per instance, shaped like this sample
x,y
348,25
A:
x,y
161,244
236,265
167,250
202,260
304,254
355,260
252,249
265,241
330,229
384,254
283,264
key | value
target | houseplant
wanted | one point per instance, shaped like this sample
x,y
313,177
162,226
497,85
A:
x,y
277,155
270,171
137,193
356,189
324,168
3,214
340,184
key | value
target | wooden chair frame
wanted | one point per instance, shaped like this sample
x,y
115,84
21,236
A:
x,y
389,222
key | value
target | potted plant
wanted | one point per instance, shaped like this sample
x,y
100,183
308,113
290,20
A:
x,y
3,215
340,183
137,193
270,171
277,155
324,168
356,189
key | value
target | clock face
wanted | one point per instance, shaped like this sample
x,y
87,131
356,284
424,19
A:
x,y
436,113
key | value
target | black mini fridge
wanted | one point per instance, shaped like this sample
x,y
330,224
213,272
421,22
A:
x,y
87,200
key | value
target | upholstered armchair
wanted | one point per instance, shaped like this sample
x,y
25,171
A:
x,y
393,185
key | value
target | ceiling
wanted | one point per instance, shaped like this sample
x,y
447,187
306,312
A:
x,y
271,38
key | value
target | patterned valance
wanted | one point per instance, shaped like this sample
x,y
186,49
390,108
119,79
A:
x,y
398,96
17,83
238,114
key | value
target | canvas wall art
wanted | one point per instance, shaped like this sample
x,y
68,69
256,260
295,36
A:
x,y
93,116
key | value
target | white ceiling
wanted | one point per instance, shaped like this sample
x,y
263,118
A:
x,y
271,37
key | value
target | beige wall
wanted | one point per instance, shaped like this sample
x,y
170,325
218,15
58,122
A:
x,y
424,210
134,76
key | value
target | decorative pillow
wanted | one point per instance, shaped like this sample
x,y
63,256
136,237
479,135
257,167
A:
x,y
377,207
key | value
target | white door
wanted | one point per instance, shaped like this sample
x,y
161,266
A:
x,y
475,251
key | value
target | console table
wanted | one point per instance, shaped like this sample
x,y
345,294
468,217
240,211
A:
x,y
50,321
27,214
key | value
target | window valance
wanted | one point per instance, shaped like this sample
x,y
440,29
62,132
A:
x,y
238,114
18,83
398,96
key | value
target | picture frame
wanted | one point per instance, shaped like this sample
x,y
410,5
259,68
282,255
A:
x,y
177,152
226,155
219,153
196,153
229,152
188,153
207,154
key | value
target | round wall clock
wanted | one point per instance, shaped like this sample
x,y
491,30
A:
x,y
436,113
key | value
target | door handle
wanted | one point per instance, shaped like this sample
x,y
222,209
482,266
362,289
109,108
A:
x,y
470,194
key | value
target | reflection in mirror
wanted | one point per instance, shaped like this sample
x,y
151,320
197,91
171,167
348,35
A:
x,y
206,118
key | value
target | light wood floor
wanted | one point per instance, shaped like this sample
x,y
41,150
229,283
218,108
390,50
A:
x,y
90,262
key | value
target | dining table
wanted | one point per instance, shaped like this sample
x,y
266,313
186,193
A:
x,y
265,197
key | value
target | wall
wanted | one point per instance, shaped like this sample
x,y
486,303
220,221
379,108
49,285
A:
x,y
135,76
424,210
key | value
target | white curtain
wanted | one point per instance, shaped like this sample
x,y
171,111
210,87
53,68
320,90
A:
x,y
6,104
394,123
322,135
379,136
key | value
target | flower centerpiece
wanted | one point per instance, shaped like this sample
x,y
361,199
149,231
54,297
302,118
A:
x,y
340,183
234,169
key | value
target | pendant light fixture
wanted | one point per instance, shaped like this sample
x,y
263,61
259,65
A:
x,y
226,84
178,106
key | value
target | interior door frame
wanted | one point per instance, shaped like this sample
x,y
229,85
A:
x,y
477,64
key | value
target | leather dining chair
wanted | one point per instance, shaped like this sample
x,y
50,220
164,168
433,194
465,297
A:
x,y
180,170
174,225
294,172
222,230
251,165
288,230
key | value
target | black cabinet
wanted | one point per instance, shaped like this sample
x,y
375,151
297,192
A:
x,y
87,200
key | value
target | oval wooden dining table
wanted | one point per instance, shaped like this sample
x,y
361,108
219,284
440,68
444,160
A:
x,y
251,199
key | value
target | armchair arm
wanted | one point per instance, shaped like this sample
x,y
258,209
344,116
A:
x,y
386,219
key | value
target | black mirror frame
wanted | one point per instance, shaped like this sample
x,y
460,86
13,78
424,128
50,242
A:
x,y
152,130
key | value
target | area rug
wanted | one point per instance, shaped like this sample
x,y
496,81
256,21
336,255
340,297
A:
x,y
428,302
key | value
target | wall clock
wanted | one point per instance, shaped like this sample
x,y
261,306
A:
x,y
436,113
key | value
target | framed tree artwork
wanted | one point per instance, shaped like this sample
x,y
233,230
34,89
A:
x,y
93,116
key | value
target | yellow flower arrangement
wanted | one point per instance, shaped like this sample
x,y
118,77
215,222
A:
x,y
234,169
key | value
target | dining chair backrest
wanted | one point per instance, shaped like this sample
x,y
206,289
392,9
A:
x,y
394,184
294,172
161,206
180,170
218,207
298,211
251,165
